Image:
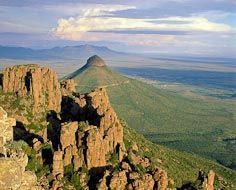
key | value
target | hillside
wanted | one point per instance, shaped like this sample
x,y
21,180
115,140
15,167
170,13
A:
x,y
81,142
192,125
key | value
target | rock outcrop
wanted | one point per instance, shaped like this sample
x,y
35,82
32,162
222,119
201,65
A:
x,y
91,136
68,87
207,181
133,180
13,162
161,179
96,132
40,84
58,166
6,130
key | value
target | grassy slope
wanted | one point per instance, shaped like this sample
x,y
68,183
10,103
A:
x,y
184,123
181,167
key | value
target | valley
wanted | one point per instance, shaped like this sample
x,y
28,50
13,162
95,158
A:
x,y
189,123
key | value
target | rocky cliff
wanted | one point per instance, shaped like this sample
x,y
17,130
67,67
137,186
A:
x,y
40,84
13,161
91,137
81,147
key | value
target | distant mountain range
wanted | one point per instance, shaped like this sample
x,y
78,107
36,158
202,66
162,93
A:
x,y
67,52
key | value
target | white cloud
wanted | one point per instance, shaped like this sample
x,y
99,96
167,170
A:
x,y
100,18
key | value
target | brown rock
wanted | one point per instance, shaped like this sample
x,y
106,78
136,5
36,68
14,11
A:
x,y
161,179
95,152
13,175
58,166
84,181
125,166
208,183
110,126
37,145
144,162
29,179
10,174
22,119
12,165
6,130
134,147
142,183
67,156
134,175
38,83
102,184
68,131
68,87
148,182
57,185
137,184
95,141
118,181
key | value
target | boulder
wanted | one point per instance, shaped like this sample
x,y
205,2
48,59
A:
x,y
68,87
207,180
145,182
125,166
161,179
118,181
37,145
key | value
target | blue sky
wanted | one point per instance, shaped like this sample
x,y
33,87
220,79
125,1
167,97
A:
x,y
168,27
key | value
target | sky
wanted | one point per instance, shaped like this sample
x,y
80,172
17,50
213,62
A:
x,y
163,27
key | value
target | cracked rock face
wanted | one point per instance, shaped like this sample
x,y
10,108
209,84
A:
x,y
12,165
89,143
68,87
6,130
38,83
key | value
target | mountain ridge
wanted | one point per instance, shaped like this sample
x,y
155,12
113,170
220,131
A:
x,y
65,52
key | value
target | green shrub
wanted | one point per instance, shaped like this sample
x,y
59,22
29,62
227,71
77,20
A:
x,y
83,125
114,159
75,180
15,103
140,169
35,127
71,177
